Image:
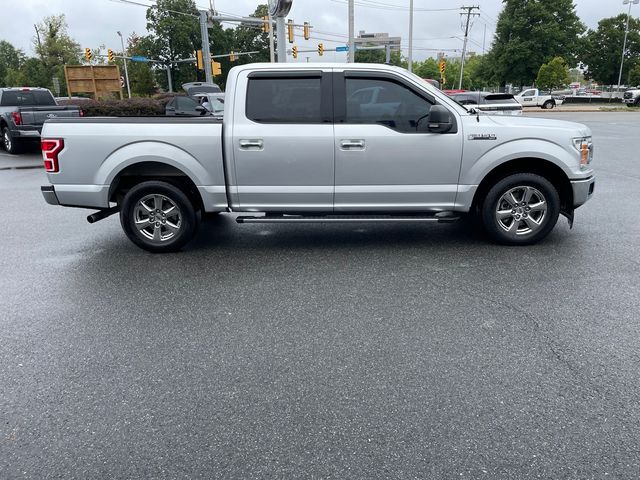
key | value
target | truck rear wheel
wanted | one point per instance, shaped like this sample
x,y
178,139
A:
x,y
520,209
158,217
10,144
548,105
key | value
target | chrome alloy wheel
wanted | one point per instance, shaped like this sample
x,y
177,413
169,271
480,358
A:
x,y
157,218
7,141
521,210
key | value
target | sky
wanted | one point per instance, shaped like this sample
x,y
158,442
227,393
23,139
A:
x,y
95,22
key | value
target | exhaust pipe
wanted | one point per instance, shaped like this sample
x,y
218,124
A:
x,y
102,214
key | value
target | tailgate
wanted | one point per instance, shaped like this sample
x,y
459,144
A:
x,y
36,116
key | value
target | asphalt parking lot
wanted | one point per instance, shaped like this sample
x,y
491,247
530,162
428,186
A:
x,y
335,351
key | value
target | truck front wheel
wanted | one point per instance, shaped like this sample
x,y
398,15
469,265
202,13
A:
x,y
158,217
548,105
520,209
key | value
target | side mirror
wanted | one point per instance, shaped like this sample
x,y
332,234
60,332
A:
x,y
438,120
201,109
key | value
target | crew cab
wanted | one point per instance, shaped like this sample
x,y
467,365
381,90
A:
x,y
23,111
307,143
532,97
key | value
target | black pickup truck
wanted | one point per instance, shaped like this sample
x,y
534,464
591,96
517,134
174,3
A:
x,y
24,110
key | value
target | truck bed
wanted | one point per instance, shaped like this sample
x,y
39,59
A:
x,y
98,149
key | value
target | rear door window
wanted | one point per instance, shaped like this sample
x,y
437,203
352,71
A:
x,y
20,98
284,100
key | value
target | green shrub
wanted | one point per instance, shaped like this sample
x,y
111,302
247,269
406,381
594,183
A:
x,y
131,107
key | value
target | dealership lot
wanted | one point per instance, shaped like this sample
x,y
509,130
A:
x,y
404,351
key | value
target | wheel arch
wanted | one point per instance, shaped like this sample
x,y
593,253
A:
x,y
136,173
538,166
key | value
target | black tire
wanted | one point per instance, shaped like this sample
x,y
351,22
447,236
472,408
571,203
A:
x,y
9,142
165,233
548,105
516,228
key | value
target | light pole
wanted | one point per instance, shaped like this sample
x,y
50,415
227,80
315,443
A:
x,y
351,53
624,44
410,58
124,59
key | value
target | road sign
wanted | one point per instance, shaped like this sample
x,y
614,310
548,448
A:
x,y
344,48
139,58
121,81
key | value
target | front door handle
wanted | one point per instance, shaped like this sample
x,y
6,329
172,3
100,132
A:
x,y
352,144
254,144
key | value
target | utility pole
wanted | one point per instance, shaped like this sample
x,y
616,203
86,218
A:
x,y
626,34
206,54
351,54
484,38
466,38
281,29
410,58
272,52
124,60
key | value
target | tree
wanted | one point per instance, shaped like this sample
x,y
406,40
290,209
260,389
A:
x,y
634,76
141,78
10,59
55,48
174,36
380,56
603,49
530,33
554,74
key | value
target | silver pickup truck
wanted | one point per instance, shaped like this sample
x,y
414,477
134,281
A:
x,y
307,143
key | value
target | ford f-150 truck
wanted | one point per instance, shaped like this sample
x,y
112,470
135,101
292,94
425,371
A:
x,y
306,143
23,111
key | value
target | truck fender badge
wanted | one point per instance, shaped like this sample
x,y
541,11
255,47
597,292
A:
x,y
483,136
51,115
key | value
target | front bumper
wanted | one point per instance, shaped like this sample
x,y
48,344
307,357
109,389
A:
x,y
582,190
629,100
49,194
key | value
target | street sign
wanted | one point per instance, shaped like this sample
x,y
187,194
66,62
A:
x,y
121,81
139,58
344,48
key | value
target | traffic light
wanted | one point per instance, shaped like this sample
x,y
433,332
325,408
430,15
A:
x,y
265,24
232,57
110,55
199,60
88,55
443,67
321,49
307,31
294,51
290,30
216,68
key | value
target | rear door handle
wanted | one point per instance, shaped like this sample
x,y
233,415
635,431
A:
x,y
254,144
352,144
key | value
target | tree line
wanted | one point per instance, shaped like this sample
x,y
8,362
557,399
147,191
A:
x,y
535,42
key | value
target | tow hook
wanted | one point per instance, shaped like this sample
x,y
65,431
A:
x,y
102,214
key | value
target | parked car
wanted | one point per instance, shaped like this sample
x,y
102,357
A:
x,y
182,105
23,111
200,87
296,146
213,101
533,98
632,97
492,103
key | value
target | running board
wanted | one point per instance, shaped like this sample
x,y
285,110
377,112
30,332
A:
x,y
442,217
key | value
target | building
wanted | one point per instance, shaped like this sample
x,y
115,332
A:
x,y
374,39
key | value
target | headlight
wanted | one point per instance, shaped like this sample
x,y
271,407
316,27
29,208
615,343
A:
x,y
584,145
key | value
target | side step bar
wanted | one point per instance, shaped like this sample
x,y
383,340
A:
x,y
442,217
